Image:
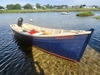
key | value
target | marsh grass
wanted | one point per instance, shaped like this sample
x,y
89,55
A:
x,y
97,17
48,10
84,14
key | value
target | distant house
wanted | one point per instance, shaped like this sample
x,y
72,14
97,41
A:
x,y
44,6
34,7
93,7
65,7
76,7
22,8
2,9
88,7
69,7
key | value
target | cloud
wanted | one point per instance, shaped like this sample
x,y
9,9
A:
x,y
87,2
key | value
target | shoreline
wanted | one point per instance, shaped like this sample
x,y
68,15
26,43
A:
x,y
47,10
52,65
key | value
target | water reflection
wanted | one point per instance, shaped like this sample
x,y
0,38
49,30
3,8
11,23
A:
x,y
27,49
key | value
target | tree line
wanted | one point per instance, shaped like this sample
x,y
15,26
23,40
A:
x,y
29,6
38,6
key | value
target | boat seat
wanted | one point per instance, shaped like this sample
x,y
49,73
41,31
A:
x,y
26,27
37,28
64,31
17,28
31,26
56,31
48,31
43,29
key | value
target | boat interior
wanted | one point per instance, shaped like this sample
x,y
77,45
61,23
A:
x,y
26,28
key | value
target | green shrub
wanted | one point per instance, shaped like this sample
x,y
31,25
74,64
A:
x,y
87,13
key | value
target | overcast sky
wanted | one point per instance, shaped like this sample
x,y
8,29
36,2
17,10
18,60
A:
x,y
51,2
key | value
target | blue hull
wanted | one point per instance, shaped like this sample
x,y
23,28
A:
x,y
68,47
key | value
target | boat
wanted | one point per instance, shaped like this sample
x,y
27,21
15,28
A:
x,y
67,44
64,13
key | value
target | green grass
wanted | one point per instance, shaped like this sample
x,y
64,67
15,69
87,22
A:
x,y
86,13
48,10
1,11
97,17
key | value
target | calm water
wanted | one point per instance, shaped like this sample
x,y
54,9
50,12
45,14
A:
x,y
15,55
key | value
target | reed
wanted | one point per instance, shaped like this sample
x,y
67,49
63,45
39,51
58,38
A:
x,y
97,17
86,13
48,10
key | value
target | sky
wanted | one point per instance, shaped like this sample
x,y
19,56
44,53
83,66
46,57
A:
x,y
51,2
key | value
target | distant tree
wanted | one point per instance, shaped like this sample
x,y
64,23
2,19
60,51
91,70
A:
x,y
55,6
28,6
10,6
64,6
59,7
17,6
1,7
49,6
81,6
38,5
95,6
43,7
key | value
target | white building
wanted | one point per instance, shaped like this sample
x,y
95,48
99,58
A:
x,y
34,7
